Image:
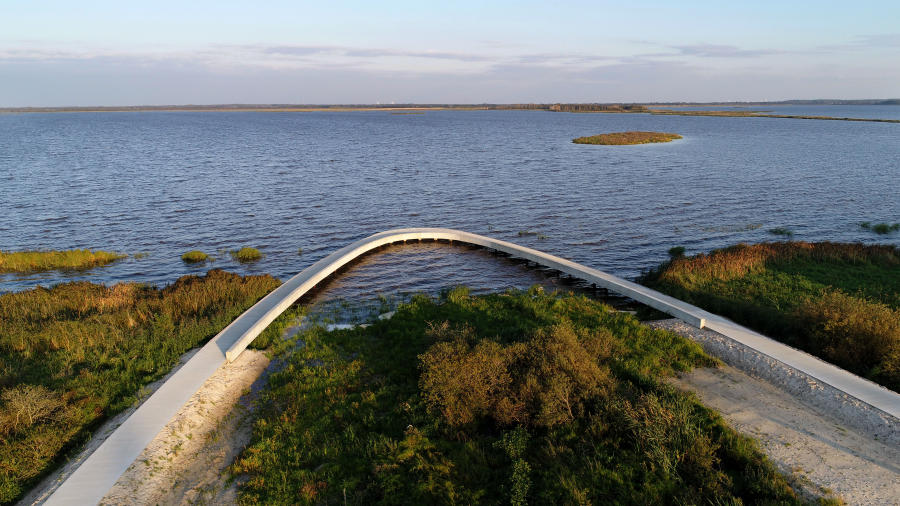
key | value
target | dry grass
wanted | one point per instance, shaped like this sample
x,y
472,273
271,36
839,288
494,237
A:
x,y
77,353
37,261
627,138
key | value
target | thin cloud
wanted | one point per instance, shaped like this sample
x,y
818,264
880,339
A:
x,y
722,51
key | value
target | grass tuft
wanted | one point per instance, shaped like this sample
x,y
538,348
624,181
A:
x,y
627,138
246,255
194,257
66,260
880,228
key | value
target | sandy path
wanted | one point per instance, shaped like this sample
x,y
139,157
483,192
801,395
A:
x,y
819,452
187,461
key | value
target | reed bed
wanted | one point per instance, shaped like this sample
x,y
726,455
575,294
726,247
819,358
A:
x,y
75,354
838,301
37,261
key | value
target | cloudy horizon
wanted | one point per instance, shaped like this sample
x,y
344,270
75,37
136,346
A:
x,y
105,54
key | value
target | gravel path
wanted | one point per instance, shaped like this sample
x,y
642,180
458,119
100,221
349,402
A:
x,y
820,451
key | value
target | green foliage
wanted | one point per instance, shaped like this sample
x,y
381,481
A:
x,y
67,260
676,251
246,255
194,257
781,231
362,415
880,228
73,355
627,138
840,302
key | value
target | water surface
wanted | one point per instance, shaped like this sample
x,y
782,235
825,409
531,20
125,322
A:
x,y
168,182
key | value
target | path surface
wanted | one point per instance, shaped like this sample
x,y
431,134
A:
x,y
820,452
186,463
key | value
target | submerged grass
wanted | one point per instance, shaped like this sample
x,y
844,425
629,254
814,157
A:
x,y
77,353
37,261
627,138
880,228
838,301
506,398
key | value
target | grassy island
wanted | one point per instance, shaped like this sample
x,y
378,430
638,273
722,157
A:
x,y
840,302
73,355
38,261
521,397
627,138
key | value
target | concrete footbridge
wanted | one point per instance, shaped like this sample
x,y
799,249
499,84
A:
x,y
98,473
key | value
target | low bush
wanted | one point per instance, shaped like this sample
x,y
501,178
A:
x,y
512,398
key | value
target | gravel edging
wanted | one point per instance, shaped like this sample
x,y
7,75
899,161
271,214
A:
x,y
846,408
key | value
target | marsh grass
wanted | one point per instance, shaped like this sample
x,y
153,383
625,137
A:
x,y
514,398
783,231
194,257
75,354
838,301
246,255
627,138
37,261
880,228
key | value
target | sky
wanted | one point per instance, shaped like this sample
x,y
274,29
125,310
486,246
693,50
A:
x,y
65,53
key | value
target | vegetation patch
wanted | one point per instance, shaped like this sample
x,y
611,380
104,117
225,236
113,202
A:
x,y
880,228
75,354
627,138
67,260
521,397
246,255
838,301
783,231
194,257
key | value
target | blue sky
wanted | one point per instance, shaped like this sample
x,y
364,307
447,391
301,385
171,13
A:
x,y
121,53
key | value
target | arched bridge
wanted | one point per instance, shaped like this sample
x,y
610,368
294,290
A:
x,y
99,472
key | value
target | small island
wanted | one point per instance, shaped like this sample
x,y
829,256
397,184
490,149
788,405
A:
x,y
627,138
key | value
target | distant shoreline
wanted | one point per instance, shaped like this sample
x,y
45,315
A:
x,y
611,108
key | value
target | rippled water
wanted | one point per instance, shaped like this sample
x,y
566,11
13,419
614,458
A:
x,y
167,182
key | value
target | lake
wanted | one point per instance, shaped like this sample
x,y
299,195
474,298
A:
x,y
163,183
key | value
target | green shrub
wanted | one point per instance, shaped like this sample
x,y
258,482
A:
x,y
856,334
513,398
676,251
836,301
194,257
246,255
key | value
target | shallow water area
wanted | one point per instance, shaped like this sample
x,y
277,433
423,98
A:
x,y
164,183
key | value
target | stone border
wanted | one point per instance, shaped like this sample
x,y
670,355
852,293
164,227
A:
x,y
804,387
90,482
